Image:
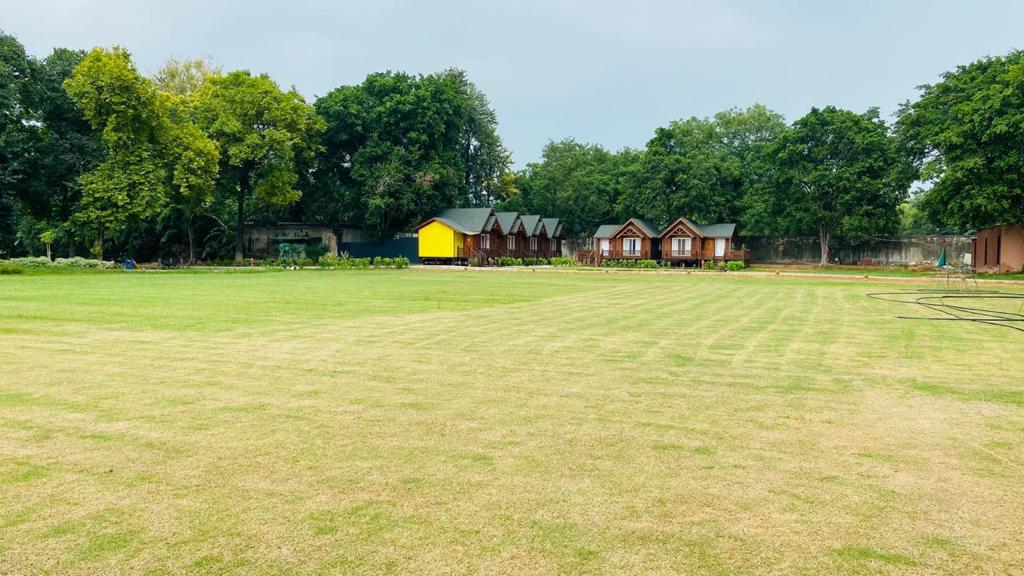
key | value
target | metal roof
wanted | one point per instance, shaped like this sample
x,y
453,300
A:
x,y
465,220
533,224
507,220
553,226
606,230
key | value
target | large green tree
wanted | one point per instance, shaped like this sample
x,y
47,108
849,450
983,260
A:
x,y
682,172
399,147
839,172
746,137
966,134
265,138
67,148
578,182
155,155
706,169
17,135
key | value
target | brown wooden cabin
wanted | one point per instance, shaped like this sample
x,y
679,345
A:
x,y
556,236
686,242
536,236
637,239
513,241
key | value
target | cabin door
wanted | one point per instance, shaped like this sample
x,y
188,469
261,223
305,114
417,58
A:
x,y
719,247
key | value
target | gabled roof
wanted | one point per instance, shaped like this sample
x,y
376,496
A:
x,y
707,231
534,224
553,226
606,230
650,229
508,221
465,220
718,230
686,221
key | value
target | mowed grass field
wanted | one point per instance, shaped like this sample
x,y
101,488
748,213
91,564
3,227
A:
x,y
449,422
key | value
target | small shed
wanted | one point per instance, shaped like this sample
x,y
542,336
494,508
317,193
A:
x,y
998,249
264,241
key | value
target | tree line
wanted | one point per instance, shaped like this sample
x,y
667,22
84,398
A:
x,y
96,157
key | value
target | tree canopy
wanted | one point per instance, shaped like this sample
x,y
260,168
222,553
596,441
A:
x,y
839,173
966,134
265,135
399,147
93,151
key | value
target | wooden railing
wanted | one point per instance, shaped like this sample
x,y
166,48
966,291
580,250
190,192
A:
x,y
619,253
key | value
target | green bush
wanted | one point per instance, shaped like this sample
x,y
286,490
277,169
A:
x,y
735,265
31,262
641,264
79,262
11,269
509,261
401,262
708,265
329,261
563,261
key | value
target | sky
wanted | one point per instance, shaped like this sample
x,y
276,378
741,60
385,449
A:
x,y
598,71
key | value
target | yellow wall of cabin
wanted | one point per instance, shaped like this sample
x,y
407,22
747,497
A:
x,y
439,241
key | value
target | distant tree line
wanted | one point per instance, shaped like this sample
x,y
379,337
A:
x,y
97,158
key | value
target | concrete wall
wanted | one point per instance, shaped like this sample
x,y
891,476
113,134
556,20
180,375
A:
x,y
883,251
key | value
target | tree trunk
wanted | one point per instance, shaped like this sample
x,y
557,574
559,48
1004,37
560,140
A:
x,y
72,249
823,237
191,241
99,242
49,254
243,190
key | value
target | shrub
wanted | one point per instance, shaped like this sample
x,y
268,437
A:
x,y
31,262
708,265
401,262
735,265
11,269
563,261
329,261
508,261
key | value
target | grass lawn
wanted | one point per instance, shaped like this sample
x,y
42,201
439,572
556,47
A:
x,y
447,422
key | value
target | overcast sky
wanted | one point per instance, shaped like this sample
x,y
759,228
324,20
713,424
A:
x,y
599,71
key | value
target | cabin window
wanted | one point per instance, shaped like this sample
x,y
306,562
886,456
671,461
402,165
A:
x,y
510,242
533,243
605,246
553,244
681,246
485,241
631,246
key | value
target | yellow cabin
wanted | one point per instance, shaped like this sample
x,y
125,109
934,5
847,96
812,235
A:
x,y
458,234
439,240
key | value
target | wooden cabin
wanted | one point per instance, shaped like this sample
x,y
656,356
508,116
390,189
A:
x,y
685,242
513,243
601,242
556,236
458,234
536,236
637,239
